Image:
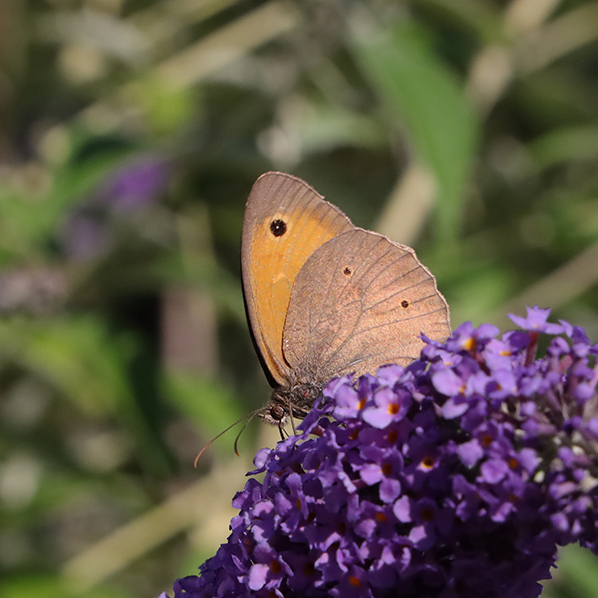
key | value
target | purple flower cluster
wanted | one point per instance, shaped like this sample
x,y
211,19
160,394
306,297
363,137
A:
x,y
132,188
457,476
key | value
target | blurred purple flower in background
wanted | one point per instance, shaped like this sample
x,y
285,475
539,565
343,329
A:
x,y
457,476
133,187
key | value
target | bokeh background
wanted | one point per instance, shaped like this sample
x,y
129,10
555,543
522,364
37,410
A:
x,y
131,132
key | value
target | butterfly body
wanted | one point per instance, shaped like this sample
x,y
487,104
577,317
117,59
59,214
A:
x,y
326,298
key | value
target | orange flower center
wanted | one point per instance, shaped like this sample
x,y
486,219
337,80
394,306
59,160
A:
x,y
393,409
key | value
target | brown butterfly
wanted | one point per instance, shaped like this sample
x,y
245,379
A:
x,y
325,298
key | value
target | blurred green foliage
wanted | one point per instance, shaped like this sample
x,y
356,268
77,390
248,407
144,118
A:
x,y
130,134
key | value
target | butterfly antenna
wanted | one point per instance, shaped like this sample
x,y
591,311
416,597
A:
x,y
249,415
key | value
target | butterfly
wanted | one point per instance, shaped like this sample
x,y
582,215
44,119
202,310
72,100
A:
x,y
325,298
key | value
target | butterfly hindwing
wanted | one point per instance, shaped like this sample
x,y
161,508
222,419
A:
x,y
361,301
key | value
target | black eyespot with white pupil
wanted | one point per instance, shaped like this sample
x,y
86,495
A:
x,y
405,303
278,227
347,271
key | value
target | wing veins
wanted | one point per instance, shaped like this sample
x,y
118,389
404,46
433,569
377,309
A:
x,y
402,290
354,334
330,280
366,270
397,321
359,319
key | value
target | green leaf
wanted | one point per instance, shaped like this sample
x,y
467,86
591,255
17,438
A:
x,y
578,571
570,144
36,585
206,402
78,359
167,109
28,223
423,95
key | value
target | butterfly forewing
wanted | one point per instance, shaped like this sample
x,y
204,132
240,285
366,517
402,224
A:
x,y
286,220
359,302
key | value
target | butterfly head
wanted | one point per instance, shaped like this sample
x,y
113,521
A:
x,y
297,399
